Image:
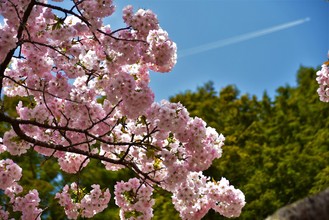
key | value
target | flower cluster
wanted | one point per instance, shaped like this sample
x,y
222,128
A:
x,y
225,199
7,40
143,21
196,195
88,205
13,190
28,205
3,213
134,199
162,51
8,11
72,163
3,148
168,117
96,9
323,81
14,144
10,173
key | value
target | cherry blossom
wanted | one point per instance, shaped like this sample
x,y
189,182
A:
x,y
323,81
10,172
28,205
134,199
88,205
90,98
3,214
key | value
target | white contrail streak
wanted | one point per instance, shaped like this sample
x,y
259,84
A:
x,y
240,38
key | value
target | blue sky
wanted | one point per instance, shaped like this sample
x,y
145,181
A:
x,y
255,65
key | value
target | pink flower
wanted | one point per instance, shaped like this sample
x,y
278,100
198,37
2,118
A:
x,y
323,81
89,97
10,172
87,206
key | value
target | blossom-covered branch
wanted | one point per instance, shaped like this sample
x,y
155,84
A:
x,y
90,99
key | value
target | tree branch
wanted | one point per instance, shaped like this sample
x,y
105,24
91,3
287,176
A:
x,y
15,123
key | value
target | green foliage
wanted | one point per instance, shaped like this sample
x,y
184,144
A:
x,y
163,208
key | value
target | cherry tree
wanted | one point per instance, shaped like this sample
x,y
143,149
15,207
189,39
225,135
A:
x,y
90,88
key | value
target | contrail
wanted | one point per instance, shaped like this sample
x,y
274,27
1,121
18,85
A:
x,y
240,38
